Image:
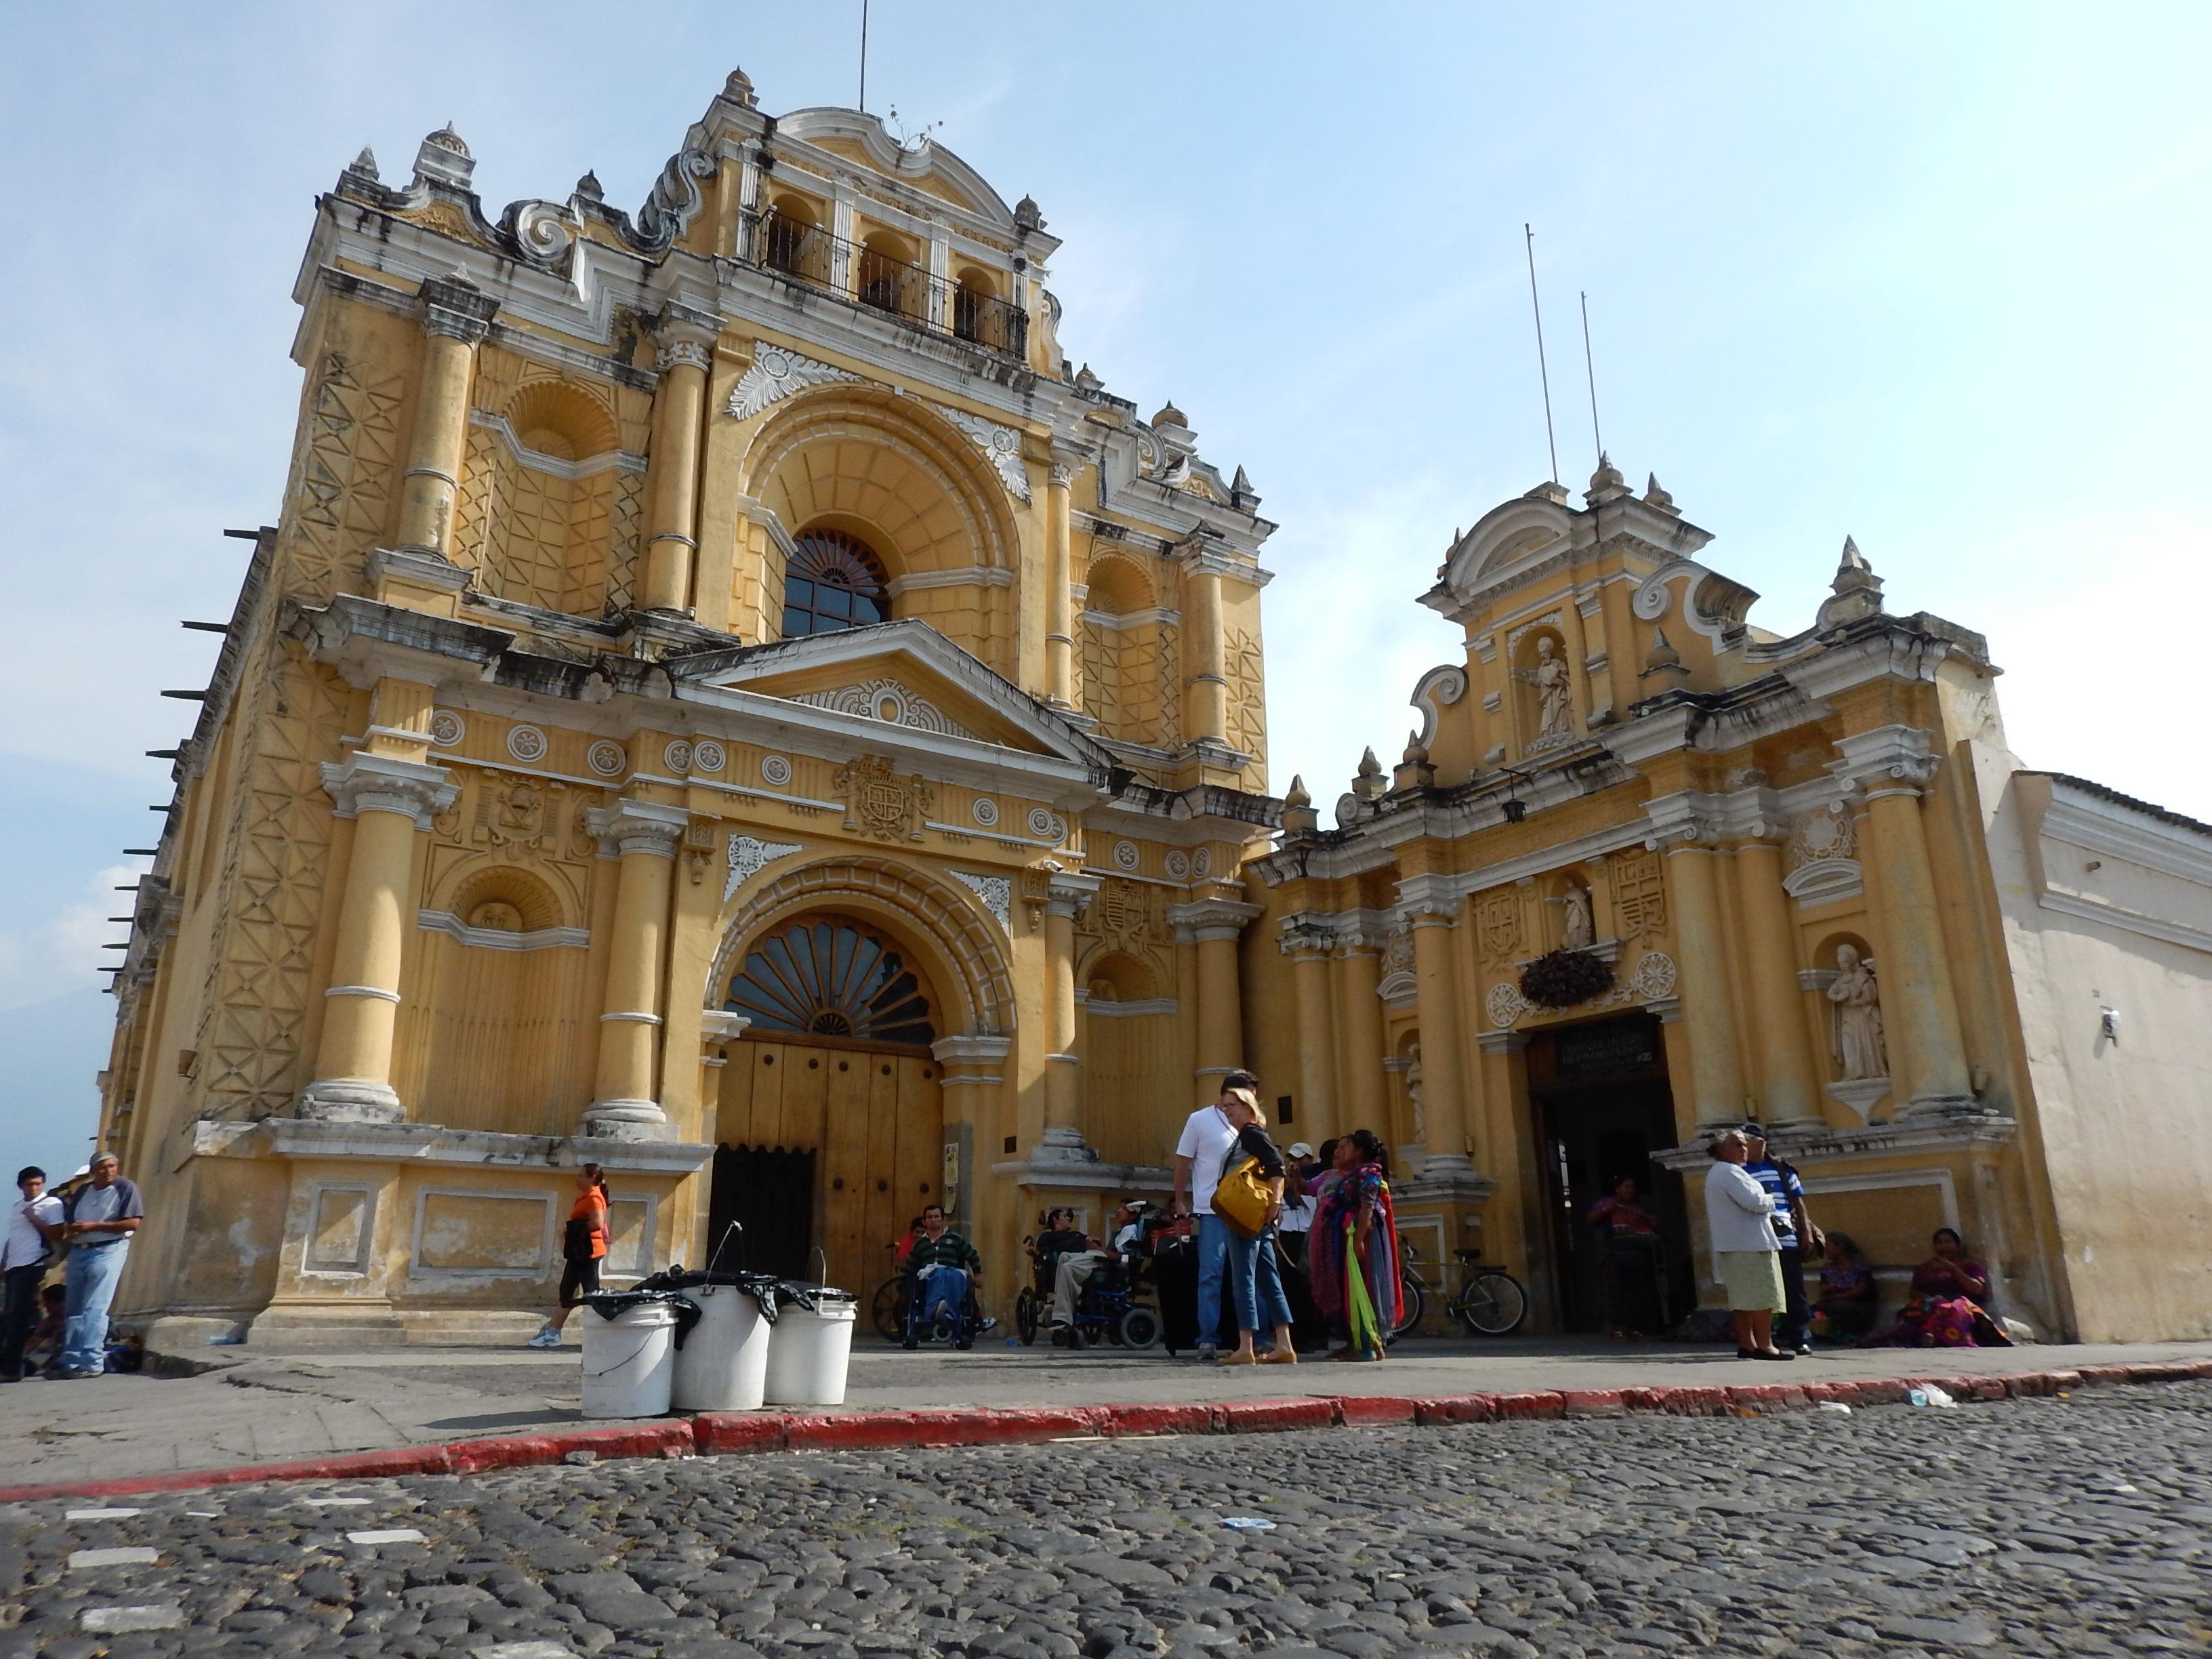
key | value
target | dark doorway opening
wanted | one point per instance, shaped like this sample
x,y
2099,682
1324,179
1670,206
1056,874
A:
x,y
769,1192
1603,1111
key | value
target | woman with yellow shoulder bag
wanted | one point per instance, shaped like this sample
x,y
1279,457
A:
x,y
1248,1200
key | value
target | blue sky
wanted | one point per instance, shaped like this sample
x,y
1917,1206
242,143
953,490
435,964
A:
x,y
1932,277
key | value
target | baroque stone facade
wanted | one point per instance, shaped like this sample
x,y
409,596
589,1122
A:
x,y
669,667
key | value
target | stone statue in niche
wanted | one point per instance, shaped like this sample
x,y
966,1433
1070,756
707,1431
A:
x,y
1413,1095
1555,710
1577,930
1860,1050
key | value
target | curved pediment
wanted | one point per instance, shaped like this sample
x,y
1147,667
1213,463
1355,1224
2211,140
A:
x,y
928,166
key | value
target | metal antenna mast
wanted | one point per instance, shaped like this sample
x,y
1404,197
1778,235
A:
x,y
1590,368
1543,369
864,57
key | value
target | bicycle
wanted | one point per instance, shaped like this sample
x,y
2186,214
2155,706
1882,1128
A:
x,y
1491,1301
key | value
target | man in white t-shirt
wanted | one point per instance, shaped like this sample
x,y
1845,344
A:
x,y
34,1223
1208,1137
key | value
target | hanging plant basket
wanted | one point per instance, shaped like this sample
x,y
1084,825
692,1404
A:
x,y
1564,978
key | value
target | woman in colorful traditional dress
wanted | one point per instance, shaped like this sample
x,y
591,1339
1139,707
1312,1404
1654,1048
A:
x,y
1354,1251
1945,1310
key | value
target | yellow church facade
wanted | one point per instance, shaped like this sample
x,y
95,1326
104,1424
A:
x,y
1645,872
723,700
726,700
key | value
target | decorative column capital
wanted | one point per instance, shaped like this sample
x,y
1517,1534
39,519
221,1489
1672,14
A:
x,y
721,1025
971,1060
1889,760
637,826
1061,474
685,337
1209,919
1068,893
1689,817
1306,939
457,309
1428,901
367,783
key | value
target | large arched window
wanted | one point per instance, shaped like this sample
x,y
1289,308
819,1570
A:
x,y
833,581
830,978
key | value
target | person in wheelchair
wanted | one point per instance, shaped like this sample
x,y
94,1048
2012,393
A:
x,y
942,1270
1073,1268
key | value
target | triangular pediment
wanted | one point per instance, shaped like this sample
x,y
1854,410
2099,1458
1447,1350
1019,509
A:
x,y
904,675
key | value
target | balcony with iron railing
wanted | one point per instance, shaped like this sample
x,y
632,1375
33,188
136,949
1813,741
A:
x,y
803,252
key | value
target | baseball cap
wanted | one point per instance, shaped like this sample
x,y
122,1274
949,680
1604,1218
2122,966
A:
x,y
1757,1132
1299,1148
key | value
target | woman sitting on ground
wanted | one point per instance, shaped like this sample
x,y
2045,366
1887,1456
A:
x,y
1849,1298
1352,1257
1945,1310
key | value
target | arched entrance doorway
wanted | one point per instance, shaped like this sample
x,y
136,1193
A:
x,y
830,1121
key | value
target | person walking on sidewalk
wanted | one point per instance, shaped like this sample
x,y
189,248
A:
x,y
1786,1192
1208,1137
1740,1221
98,1221
583,1248
34,1223
1255,1280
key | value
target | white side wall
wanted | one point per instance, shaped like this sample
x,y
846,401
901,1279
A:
x,y
2109,906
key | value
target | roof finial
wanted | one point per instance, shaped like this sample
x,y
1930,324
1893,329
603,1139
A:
x,y
1297,795
1605,483
1856,594
1299,818
1655,497
364,165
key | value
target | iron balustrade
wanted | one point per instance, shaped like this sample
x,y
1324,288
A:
x,y
807,253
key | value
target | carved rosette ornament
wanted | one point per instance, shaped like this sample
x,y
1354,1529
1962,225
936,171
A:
x,y
775,375
1001,446
749,857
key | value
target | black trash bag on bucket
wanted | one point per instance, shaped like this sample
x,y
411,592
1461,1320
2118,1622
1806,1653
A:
x,y
612,1304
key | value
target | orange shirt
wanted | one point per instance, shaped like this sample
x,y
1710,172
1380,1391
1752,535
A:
x,y
592,1207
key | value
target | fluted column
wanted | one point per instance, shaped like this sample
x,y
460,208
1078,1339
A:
x,y
1308,947
1444,1080
389,800
456,316
1066,897
1211,927
1059,609
1789,1083
1208,710
672,549
644,835
1919,1007
1708,1005
1359,982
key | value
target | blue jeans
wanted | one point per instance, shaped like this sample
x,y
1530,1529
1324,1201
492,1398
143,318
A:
x,y
945,1288
93,1273
1213,1241
1255,1280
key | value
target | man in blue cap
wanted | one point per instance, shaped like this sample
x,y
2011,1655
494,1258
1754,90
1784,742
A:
x,y
1787,1193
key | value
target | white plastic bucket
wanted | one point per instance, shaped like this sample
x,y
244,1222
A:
x,y
630,1361
723,1364
809,1352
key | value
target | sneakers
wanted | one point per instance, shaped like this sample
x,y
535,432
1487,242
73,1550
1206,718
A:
x,y
1206,1352
548,1338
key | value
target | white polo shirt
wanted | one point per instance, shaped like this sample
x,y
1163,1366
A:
x,y
1206,1141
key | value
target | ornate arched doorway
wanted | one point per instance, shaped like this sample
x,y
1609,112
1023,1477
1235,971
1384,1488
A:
x,y
830,1121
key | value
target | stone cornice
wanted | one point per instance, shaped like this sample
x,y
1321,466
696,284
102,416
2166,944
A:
x,y
1212,918
1946,1132
1886,760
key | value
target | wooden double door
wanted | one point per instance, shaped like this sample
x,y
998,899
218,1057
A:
x,y
862,1125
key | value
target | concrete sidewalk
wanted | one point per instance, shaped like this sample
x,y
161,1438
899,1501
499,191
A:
x,y
262,1407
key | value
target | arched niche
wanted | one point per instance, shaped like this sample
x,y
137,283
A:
x,y
1127,652
904,481
550,504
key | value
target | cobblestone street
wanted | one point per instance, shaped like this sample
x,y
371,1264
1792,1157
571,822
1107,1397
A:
x,y
2074,1525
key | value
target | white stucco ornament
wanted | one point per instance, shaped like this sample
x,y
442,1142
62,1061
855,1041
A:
x,y
775,770
526,743
984,811
775,375
996,892
447,728
709,757
606,758
1125,854
1504,1004
1177,864
748,857
1001,447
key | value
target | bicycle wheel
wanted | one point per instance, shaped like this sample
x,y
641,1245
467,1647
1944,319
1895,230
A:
x,y
1415,1301
1492,1304
1025,1315
889,1309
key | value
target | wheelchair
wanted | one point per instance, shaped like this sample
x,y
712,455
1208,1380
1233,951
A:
x,y
1108,1310
894,1322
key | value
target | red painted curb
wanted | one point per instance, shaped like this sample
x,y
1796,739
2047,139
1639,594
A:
x,y
1356,1411
726,1433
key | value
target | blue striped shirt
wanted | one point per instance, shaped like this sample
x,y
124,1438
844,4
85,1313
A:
x,y
1780,1190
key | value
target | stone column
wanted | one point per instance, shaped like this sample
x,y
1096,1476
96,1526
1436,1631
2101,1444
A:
x,y
1443,1081
671,548
456,316
644,834
1066,897
973,1082
1708,1007
389,800
1060,669
1307,946
1208,712
1359,980
1790,1090
1919,1008
1213,926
